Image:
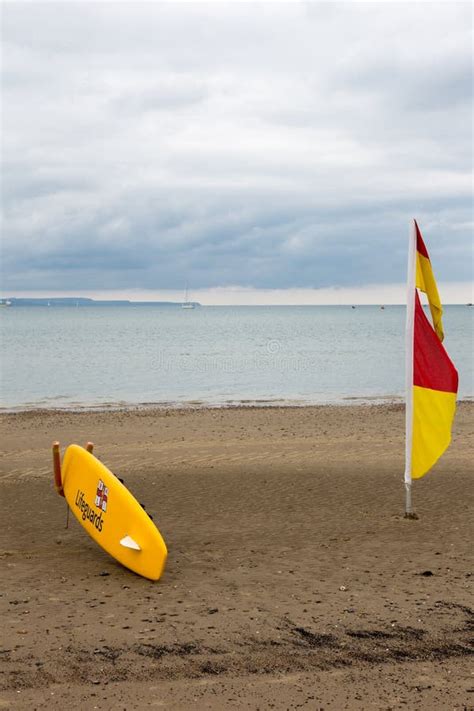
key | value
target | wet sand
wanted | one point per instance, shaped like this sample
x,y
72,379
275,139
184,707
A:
x,y
293,580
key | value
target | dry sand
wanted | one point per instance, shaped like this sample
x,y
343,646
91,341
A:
x,y
292,581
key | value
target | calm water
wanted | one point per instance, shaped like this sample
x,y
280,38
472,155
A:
x,y
125,355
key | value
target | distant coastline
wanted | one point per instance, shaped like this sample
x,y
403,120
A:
x,y
82,301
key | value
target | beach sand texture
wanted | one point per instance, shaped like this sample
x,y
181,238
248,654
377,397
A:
x,y
292,581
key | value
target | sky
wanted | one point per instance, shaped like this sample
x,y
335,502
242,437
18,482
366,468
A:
x,y
258,152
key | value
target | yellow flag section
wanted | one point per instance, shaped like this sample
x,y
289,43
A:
x,y
111,515
433,414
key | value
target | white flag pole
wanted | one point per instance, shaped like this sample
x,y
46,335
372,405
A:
x,y
409,335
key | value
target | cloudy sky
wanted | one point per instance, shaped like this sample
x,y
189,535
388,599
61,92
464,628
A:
x,y
278,147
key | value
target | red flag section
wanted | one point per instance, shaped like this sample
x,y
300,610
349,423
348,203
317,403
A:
x,y
432,367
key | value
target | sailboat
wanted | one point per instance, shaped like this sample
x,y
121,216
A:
x,y
186,303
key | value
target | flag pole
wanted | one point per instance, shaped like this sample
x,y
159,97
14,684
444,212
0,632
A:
x,y
409,340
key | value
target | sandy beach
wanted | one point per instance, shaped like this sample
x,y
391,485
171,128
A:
x,y
293,580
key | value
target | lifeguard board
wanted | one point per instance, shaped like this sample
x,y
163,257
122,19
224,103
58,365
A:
x,y
111,515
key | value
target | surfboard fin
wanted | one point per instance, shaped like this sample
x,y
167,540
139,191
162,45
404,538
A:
x,y
128,542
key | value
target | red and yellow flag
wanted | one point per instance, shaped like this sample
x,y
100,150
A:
x,y
432,379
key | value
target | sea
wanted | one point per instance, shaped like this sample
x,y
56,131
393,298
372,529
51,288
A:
x,y
145,355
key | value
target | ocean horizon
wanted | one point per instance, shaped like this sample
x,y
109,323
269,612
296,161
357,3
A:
x,y
149,355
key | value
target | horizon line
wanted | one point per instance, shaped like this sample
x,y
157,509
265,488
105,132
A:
x,y
137,302
393,294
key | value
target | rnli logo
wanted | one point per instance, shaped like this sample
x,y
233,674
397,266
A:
x,y
101,496
87,511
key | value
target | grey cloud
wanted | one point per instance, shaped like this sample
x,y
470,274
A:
x,y
173,92
251,246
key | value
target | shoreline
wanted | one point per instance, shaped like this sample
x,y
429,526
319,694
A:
x,y
193,405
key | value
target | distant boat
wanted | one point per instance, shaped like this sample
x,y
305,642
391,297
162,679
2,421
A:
x,y
7,302
186,303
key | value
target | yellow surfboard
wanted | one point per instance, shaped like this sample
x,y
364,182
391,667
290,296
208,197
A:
x,y
110,514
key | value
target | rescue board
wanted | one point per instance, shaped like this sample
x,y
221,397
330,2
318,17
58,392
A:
x,y
110,514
